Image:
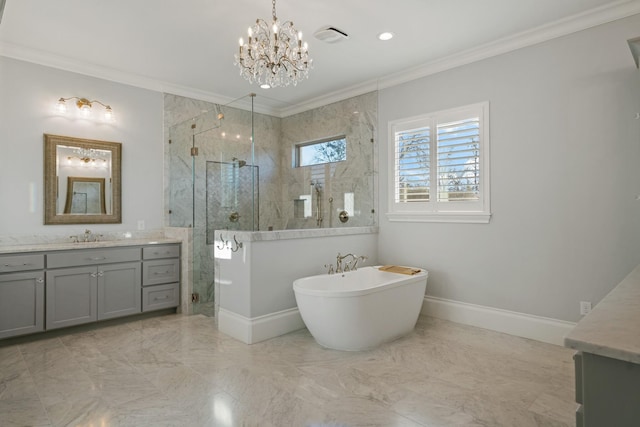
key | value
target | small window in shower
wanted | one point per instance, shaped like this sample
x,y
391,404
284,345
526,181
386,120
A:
x,y
328,150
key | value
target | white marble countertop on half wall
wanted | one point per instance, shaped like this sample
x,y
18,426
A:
x,y
260,236
612,329
53,246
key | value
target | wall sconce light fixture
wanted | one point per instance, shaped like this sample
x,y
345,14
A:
x,y
84,105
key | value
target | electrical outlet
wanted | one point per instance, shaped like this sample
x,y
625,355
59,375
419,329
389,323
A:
x,y
141,224
585,307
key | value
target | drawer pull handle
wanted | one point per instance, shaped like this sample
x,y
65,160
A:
x,y
94,275
161,273
39,280
17,265
158,299
100,273
97,258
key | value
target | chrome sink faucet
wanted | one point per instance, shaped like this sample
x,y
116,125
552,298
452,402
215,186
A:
x,y
86,237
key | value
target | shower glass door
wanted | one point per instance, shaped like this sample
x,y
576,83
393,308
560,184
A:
x,y
212,184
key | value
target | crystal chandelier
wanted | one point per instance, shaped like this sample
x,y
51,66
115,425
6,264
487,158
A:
x,y
274,55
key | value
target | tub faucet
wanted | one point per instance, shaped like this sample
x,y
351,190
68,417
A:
x,y
354,266
339,259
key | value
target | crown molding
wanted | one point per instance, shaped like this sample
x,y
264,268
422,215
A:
x,y
60,62
589,19
563,27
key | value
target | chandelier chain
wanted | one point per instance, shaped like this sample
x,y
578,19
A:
x,y
273,2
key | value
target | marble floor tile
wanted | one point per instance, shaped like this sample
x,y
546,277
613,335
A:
x,y
23,412
178,370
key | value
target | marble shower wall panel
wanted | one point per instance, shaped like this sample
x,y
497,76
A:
x,y
178,112
356,118
267,131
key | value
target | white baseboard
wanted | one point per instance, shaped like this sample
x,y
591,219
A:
x,y
261,328
523,325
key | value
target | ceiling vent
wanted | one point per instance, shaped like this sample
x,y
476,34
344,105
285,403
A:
x,y
330,35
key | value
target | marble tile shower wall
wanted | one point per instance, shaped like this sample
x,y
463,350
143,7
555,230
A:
x,y
279,183
355,118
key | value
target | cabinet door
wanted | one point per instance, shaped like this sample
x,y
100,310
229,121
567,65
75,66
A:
x,y
71,296
21,303
119,290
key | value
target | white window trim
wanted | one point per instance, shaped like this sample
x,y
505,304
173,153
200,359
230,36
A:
x,y
474,212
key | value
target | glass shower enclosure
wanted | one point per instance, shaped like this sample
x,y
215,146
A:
x,y
213,184
231,168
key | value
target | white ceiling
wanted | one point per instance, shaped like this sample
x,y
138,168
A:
x,y
186,47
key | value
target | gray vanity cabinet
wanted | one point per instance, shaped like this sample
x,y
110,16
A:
x,y
77,295
608,390
71,296
160,277
21,294
54,289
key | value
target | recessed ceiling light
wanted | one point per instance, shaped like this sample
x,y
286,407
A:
x,y
387,35
265,86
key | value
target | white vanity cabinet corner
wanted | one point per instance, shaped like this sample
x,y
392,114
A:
x,y
21,294
92,284
160,277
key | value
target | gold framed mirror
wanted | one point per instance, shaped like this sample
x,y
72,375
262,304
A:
x,y
82,182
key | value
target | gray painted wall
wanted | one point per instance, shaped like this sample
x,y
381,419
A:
x,y
28,95
565,148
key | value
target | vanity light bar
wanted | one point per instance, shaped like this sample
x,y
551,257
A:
x,y
84,105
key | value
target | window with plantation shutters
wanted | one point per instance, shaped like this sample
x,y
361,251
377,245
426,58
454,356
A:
x,y
439,166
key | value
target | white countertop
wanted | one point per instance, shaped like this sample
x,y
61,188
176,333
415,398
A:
x,y
612,329
43,247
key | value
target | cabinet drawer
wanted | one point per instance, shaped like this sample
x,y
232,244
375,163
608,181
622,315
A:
x,y
161,251
160,296
160,271
11,263
91,257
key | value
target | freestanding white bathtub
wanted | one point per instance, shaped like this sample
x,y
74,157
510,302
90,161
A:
x,y
362,309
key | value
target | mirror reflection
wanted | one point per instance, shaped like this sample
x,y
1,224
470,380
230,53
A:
x,y
82,181
85,196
